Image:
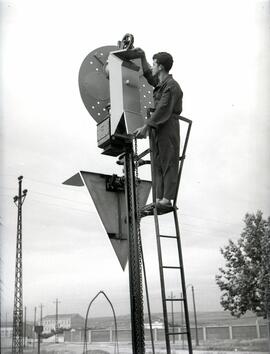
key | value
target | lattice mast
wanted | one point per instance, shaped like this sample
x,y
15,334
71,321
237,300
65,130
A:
x,y
17,336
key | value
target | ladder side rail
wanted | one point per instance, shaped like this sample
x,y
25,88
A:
x,y
183,282
142,154
152,166
147,300
182,157
162,281
161,274
184,119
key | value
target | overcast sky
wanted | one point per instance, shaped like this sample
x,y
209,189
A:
x,y
221,60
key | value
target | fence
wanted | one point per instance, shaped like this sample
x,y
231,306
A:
x,y
124,335
204,334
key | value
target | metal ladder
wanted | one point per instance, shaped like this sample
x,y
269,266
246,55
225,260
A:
x,y
165,299
180,266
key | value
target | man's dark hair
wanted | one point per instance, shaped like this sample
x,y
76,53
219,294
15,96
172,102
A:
x,y
164,59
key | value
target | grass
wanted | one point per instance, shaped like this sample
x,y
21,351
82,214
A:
x,y
249,345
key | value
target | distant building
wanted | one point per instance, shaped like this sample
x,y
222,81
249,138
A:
x,y
6,330
155,324
69,321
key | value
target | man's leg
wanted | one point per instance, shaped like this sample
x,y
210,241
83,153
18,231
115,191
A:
x,y
170,181
159,180
158,176
169,157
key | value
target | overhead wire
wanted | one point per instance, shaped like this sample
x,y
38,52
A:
x,y
202,232
49,195
56,205
37,181
63,186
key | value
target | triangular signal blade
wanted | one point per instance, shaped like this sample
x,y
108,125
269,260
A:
x,y
111,207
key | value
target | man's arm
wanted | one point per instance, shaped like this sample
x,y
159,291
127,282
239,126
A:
x,y
145,65
153,81
162,113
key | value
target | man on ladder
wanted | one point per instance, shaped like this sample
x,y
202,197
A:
x,y
163,127
164,124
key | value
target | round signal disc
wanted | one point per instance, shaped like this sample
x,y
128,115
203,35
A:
x,y
94,84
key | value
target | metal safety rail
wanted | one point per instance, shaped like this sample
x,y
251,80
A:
x,y
153,210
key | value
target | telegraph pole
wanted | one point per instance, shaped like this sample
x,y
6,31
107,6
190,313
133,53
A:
x,y
0,313
24,327
17,336
182,319
6,325
35,320
172,314
41,319
40,322
56,302
195,316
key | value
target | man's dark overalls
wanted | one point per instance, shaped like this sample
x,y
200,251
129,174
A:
x,y
165,133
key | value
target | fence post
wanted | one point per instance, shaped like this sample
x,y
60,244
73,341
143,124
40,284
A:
x,y
111,336
258,329
204,334
90,336
155,334
230,332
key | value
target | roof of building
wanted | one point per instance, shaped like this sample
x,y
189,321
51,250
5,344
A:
x,y
62,316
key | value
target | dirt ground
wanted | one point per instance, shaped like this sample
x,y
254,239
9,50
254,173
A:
x,y
124,348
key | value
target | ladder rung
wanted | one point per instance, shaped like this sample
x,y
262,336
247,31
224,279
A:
x,y
174,333
171,267
167,236
180,299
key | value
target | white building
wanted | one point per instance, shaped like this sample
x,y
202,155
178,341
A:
x,y
155,324
6,330
69,321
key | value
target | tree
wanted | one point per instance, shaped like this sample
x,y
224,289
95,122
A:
x,y
245,279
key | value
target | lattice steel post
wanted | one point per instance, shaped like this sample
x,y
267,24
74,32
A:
x,y
135,271
17,335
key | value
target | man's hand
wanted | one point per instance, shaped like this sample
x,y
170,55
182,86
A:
x,y
140,52
141,133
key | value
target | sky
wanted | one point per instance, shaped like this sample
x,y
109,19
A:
x,y
221,61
